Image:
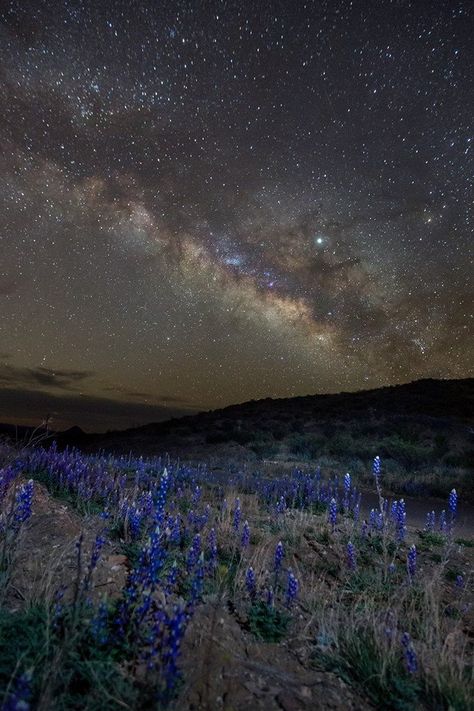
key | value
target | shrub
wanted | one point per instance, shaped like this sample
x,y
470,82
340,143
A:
x,y
307,446
267,623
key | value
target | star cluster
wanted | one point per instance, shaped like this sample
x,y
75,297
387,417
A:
x,y
204,203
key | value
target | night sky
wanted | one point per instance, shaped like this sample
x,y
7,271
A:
x,y
204,203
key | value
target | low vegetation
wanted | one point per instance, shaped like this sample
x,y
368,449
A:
x,y
128,583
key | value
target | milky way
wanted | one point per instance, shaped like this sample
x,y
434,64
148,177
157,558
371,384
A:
x,y
205,203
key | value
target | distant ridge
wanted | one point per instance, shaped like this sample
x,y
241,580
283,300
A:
x,y
442,405
430,396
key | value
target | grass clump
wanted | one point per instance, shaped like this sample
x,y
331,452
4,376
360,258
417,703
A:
x,y
359,660
432,539
467,542
268,623
89,677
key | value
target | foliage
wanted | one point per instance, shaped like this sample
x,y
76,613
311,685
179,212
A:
x,y
274,551
267,623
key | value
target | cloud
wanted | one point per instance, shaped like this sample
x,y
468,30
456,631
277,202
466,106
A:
x,y
42,377
139,395
89,412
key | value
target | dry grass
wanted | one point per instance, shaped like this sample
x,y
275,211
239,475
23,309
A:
x,y
347,622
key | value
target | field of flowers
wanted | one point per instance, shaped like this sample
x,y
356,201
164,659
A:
x,y
145,584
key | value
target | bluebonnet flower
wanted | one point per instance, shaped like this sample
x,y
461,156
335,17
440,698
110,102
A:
x,y
191,518
347,491
151,560
351,556
409,653
99,543
99,624
333,513
363,529
292,588
459,582
411,562
161,497
58,606
347,483
146,503
237,515
453,501
23,500
194,552
442,521
196,495
135,522
212,540
175,535
393,511
281,505
430,521
172,578
18,698
197,580
401,520
176,628
376,467
453,504
279,553
245,535
372,518
250,583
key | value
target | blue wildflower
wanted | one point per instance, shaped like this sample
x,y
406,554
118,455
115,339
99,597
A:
x,y
18,698
279,553
430,521
237,515
23,501
351,556
245,535
411,562
453,501
409,653
401,520
250,583
212,540
376,467
442,521
333,513
292,589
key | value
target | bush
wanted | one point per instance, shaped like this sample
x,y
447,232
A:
x,y
308,446
217,437
241,436
264,448
267,623
404,452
